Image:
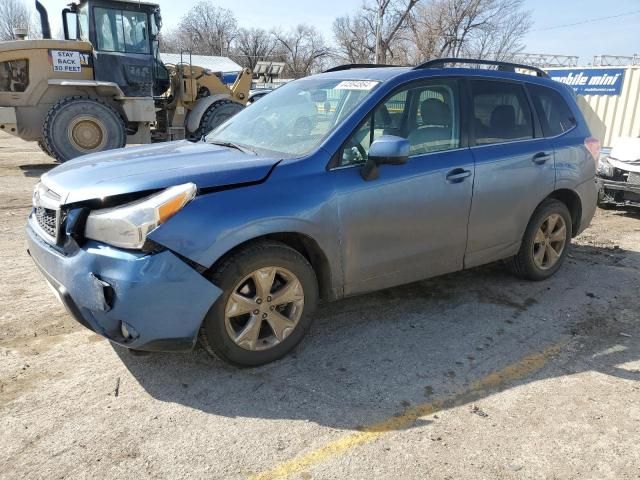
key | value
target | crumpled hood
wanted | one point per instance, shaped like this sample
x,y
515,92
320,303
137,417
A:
x,y
626,149
156,166
625,154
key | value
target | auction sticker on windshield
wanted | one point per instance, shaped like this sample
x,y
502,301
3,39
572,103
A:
x,y
356,85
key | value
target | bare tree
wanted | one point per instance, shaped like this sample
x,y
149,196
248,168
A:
x,y
472,28
205,29
355,38
391,20
376,33
253,45
304,50
14,14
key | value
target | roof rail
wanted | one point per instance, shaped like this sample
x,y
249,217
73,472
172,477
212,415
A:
x,y
504,66
349,66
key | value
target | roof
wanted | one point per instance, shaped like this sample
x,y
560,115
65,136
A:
x,y
215,64
384,74
381,74
135,3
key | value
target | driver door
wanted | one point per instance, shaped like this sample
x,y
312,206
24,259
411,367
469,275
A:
x,y
411,222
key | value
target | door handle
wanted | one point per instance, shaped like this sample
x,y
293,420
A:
x,y
541,157
457,175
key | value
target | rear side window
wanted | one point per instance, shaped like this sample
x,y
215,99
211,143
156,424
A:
x,y
501,112
554,113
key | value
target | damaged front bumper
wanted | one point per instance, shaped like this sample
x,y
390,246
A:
x,y
617,193
152,302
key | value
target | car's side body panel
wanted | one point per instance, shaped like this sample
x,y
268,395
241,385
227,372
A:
x,y
339,210
408,224
297,198
508,187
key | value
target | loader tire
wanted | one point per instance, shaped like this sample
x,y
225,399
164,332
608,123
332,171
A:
x,y
216,114
43,147
80,125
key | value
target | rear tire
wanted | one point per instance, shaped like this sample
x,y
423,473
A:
x,y
215,115
545,242
79,125
264,319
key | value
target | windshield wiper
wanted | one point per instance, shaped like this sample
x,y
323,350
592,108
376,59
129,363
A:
x,y
242,148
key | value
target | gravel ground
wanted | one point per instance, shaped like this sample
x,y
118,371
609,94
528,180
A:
x,y
472,375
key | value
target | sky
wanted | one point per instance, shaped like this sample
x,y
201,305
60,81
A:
x,y
614,36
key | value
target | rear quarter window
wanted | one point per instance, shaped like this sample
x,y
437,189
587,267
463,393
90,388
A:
x,y
554,113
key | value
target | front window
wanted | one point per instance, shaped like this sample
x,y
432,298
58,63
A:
x,y
295,118
426,115
121,30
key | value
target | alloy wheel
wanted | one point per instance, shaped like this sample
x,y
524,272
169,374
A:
x,y
550,241
264,308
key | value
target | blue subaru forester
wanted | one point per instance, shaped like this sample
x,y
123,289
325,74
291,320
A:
x,y
353,180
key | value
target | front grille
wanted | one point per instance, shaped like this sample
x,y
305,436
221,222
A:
x,y
634,178
46,219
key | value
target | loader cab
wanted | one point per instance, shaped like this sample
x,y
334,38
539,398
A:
x,y
124,35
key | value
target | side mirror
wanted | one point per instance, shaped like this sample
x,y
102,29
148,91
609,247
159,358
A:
x,y
70,24
386,150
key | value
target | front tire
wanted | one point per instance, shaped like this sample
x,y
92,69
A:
x,y
269,294
80,125
545,242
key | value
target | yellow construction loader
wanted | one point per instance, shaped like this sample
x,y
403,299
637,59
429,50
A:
x,y
105,86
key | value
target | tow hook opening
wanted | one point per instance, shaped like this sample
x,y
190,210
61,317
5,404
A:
x,y
128,332
104,292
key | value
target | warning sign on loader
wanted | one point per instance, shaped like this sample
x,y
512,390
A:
x,y
65,61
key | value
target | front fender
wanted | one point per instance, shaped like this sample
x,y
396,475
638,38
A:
x,y
215,223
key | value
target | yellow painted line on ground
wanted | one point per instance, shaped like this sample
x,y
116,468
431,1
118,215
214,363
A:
x,y
477,390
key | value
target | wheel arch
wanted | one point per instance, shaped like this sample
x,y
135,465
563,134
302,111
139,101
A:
x,y
573,202
30,118
304,245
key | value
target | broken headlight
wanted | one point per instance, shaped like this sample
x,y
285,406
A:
x,y
128,225
605,169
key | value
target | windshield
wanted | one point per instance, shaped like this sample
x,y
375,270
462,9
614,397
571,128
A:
x,y
294,119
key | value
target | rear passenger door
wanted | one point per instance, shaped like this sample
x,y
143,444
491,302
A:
x,y
573,164
514,168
